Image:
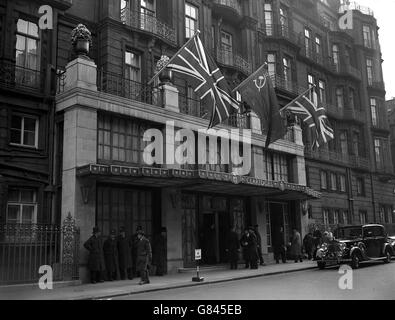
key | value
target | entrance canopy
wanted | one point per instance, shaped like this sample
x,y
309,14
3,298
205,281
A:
x,y
197,180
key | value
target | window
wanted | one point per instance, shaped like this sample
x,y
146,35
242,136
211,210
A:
x,y
284,21
333,182
367,40
27,54
336,56
322,91
132,66
377,151
369,70
344,217
21,206
287,72
325,214
147,15
307,42
318,44
336,216
191,20
271,64
324,182
382,214
268,19
373,111
342,183
360,186
344,142
311,84
277,167
227,47
339,98
351,98
24,131
355,143
121,139
363,217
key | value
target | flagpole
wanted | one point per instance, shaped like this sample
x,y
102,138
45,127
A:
x,y
174,56
248,79
297,98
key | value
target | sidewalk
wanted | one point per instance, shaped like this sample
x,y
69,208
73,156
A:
x,y
107,290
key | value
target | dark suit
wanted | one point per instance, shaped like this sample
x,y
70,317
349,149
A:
x,y
233,246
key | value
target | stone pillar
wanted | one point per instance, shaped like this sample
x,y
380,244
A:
x,y
170,97
81,73
79,149
172,218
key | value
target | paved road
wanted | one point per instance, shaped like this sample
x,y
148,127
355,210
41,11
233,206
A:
x,y
372,281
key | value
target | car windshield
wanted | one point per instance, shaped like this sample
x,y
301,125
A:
x,y
349,233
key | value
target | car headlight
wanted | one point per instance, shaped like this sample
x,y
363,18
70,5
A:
x,y
342,246
324,247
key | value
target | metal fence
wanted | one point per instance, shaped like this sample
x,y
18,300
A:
x,y
25,248
18,77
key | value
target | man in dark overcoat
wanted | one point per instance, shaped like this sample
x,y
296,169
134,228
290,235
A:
x,y
233,248
253,248
259,245
244,245
96,263
317,236
111,256
279,248
125,247
144,257
159,252
135,240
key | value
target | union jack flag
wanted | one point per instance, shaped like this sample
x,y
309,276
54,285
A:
x,y
313,116
208,81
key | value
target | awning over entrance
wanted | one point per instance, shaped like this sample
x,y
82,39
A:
x,y
197,180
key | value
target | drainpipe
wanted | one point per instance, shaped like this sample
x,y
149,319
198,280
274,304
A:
x,y
373,199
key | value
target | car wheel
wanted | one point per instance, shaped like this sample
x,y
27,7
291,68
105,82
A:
x,y
321,264
387,256
355,261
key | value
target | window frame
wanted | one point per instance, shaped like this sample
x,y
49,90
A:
x,y
22,204
189,18
22,130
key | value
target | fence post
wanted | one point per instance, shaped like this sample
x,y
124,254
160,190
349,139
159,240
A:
x,y
70,247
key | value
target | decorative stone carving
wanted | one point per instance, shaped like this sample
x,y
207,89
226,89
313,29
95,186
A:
x,y
81,39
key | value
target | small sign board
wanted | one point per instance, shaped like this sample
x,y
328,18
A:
x,y
198,254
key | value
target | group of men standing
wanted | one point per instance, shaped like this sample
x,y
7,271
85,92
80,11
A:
x,y
127,255
250,242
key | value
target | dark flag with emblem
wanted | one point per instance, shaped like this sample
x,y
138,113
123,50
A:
x,y
258,92
206,79
313,116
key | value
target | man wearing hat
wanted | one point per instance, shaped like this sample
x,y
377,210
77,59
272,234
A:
x,y
125,247
144,256
159,252
96,263
135,240
111,256
259,245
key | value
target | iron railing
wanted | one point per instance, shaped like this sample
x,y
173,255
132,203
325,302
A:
x,y
344,113
146,20
280,31
234,4
14,76
25,248
337,157
355,6
229,58
115,84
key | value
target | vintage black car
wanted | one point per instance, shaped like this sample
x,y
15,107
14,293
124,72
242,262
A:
x,y
355,244
392,243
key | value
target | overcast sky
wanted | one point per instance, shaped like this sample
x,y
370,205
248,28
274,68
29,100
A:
x,y
384,11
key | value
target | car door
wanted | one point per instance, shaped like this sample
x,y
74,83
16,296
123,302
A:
x,y
373,240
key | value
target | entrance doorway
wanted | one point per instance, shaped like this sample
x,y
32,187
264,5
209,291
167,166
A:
x,y
215,227
279,218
